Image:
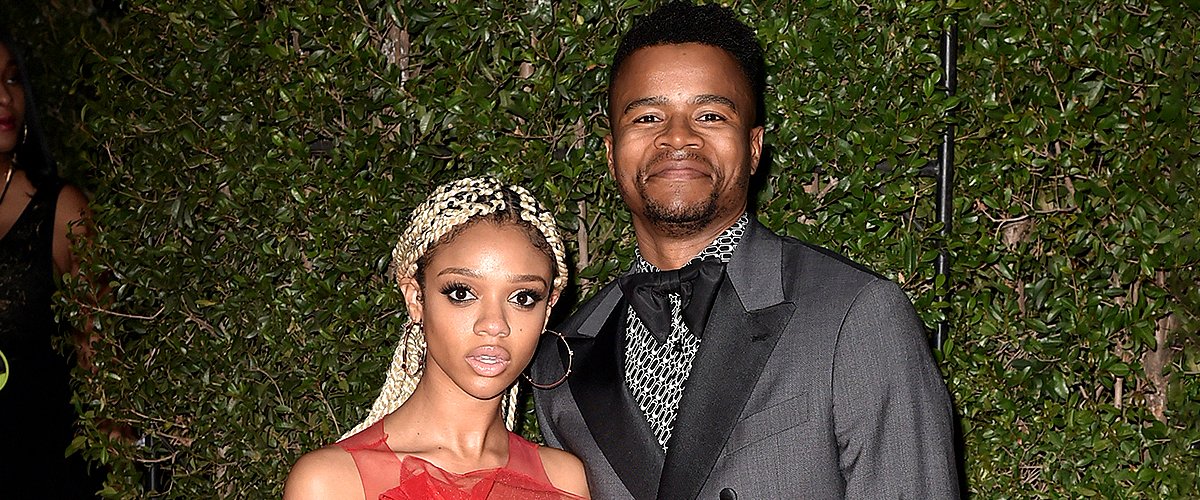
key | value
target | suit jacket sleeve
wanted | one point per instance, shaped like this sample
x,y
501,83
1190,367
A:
x,y
892,414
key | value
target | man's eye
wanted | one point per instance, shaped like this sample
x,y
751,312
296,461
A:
x,y
711,117
646,119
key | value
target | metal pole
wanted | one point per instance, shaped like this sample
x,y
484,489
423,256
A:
x,y
945,176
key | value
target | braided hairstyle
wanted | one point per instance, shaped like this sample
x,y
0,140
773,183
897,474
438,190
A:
x,y
449,210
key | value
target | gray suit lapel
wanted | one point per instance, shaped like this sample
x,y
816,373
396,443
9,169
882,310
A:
x,y
746,322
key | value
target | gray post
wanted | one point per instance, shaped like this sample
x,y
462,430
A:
x,y
945,175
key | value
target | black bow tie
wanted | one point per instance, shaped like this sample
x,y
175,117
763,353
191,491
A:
x,y
696,284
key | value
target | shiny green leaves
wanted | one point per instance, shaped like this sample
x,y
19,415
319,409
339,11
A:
x,y
252,163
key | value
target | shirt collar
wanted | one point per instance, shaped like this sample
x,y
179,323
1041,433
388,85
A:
x,y
721,247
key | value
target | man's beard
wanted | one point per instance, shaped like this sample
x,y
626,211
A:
x,y
680,220
676,218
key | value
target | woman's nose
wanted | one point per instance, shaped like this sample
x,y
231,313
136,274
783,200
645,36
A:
x,y
492,321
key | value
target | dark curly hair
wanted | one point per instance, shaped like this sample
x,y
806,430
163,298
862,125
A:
x,y
681,22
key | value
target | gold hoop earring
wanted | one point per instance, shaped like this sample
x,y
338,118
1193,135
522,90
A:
x,y
413,331
570,362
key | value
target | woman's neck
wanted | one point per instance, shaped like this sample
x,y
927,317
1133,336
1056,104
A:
x,y
449,427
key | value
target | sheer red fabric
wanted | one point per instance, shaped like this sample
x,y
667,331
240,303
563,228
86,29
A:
x,y
386,477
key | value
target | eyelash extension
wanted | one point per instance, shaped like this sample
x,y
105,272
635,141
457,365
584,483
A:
x,y
534,294
454,286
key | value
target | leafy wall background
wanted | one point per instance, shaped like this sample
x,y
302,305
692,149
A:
x,y
251,165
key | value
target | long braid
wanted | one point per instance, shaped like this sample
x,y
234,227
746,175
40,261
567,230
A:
x,y
437,220
400,382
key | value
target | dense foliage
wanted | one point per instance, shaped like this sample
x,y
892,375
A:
x,y
251,165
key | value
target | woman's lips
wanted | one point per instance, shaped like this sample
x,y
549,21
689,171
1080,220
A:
x,y
488,360
8,123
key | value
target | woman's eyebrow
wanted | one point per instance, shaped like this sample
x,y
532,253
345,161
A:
x,y
512,278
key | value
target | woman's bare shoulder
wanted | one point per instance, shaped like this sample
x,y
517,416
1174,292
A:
x,y
71,207
564,470
325,473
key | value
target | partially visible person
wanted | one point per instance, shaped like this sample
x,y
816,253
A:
x,y
480,266
40,216
730,362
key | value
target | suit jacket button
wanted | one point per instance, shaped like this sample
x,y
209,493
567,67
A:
x,y
728,494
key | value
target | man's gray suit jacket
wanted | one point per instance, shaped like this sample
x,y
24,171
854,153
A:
x,y
813,380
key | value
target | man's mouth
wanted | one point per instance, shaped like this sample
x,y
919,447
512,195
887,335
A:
x,y
680,165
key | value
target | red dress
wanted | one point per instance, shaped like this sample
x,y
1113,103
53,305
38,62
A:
x,y
386,477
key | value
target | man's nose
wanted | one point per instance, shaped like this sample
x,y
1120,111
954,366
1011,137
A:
x,y
679,133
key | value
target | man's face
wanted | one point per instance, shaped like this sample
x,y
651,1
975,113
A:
x,y
683,145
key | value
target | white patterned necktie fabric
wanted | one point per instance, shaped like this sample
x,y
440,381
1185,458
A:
x,y
656,371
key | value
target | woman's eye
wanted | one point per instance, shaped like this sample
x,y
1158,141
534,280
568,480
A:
x,y
458,293
526,298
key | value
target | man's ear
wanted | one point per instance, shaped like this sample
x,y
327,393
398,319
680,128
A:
x,y
756,148
608,154
413,298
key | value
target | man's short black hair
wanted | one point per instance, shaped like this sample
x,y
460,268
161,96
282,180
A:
x,y
681,22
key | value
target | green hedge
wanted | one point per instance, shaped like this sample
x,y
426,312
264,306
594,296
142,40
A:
x,y
251,165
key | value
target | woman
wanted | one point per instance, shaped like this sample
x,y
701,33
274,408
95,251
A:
x,y
480,266
39,216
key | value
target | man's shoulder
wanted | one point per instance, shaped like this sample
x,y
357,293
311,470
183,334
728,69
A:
x,y
830,260
808,261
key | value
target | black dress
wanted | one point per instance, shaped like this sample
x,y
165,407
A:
x,y
36,415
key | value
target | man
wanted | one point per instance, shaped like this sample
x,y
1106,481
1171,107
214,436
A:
x,y
756,366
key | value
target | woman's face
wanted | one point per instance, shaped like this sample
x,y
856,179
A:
x,y
12,101
485,301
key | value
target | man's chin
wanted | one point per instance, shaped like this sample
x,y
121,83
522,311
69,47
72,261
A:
x,y
680,220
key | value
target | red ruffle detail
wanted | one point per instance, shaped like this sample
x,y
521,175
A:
x,y
385,476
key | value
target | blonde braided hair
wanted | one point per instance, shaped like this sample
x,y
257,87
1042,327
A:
x,y
448,210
